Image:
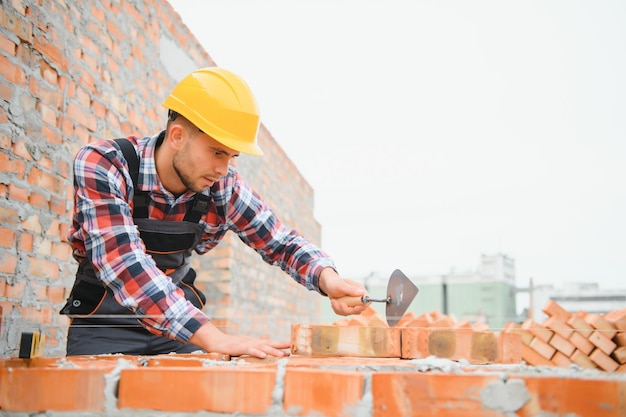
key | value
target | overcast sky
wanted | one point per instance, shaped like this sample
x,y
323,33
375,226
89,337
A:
x,y
436,131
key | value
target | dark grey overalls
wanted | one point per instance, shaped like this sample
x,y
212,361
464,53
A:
x,y
99,323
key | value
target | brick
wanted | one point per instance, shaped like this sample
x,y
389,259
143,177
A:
x,y
533,358
509,348
18,193
562,345
537,330
603,360
559,359
212,389
423,320
37,389
580,325
187,360
345,341
581,343
582,360
406,319
340,391
525,335
368,318
600,323
602,342
553,309
7,238
445,322
8,263
542,348
617,318
620,338
15,290
442,343
558,327
430,394
573,396
620,355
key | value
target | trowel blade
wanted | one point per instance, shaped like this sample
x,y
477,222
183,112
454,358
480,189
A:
x,y
401,292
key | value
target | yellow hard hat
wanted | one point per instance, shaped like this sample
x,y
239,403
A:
x,y
220,104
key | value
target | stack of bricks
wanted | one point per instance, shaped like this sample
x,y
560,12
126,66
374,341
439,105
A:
x,y
589,340
414,337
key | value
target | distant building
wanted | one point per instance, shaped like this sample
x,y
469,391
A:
x,y
573,297
487,294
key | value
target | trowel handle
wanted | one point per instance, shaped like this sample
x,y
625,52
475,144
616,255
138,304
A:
x,y
354,301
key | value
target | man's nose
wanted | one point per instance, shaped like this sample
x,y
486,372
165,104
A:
x,y
221,168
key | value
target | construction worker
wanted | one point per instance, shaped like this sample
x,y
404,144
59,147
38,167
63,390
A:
x,y
142,206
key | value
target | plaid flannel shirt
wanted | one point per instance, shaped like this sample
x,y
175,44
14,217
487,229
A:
x,y
103,231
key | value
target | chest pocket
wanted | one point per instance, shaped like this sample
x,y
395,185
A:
x,y
169,243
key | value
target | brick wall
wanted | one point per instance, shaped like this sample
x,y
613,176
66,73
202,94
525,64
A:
x,y
76,71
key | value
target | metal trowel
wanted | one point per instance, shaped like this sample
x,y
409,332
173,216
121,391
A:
x,y
400,293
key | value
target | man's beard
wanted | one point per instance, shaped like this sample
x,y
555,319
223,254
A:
x,y
184,178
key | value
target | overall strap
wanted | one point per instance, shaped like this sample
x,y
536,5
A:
x,y
199,205
140,199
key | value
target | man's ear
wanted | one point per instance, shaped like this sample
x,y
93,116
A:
x,y
175,136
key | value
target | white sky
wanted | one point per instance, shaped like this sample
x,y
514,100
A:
x,y
436,131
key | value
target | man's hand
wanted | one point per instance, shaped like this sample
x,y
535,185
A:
x,y
336,287
211,339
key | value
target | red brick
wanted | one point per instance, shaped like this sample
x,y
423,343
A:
x,y
600,323
602,342
50,52
617,318
7,238
42,268
509,348
537,330
558,327
582,343
582,360
15,290
430,394
542,348
50,389
554,309
580,325
345,341
26,242
620,338
188,360
533,358
525,335
573,396
220,390
8,263
18,193
620,354
603,360
561,360
7,46
37,315
443,343
562,345
304,388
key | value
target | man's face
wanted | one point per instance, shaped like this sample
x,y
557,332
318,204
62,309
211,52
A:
x,y
201,160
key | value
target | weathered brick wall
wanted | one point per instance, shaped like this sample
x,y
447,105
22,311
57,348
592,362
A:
x,y
76,71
